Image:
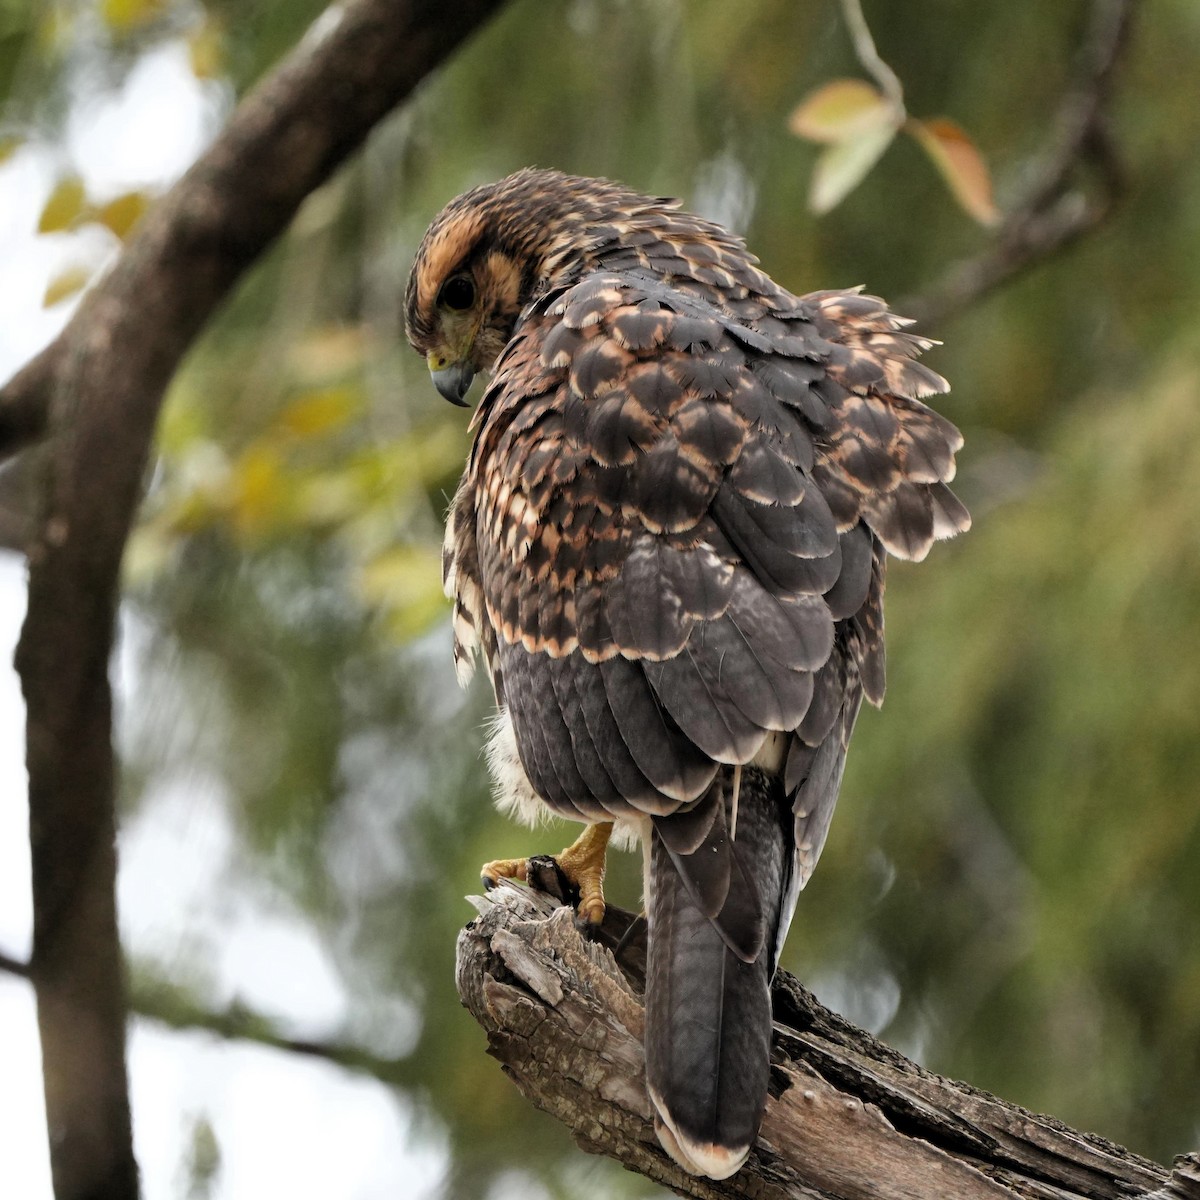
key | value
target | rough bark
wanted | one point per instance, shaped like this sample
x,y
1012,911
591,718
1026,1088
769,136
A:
x,y
96,391
849,1118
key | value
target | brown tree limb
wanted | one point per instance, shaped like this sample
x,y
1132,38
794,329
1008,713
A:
x,y
101,383
849,1118
1051,213
25,403
283,141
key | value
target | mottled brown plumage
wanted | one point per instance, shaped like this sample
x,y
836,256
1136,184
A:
x,y
669,544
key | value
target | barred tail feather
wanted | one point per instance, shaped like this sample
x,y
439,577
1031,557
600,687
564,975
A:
x,y
708,1011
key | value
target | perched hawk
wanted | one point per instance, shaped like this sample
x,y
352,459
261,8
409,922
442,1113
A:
x,y
669,545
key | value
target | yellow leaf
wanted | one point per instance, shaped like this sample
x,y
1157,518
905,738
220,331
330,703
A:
x,y
55,28
206,49
842,167
10,143
146,555
960,164
327,351
315,413
841,110
329,499
260,491
404,584
64,207
123,15
66,284
122,213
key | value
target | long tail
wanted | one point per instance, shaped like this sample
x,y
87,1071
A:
x,y
716,883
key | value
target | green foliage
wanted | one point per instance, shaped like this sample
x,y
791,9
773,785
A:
x,y
1044,737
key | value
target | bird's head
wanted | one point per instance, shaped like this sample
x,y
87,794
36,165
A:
x,y
464,295
490,251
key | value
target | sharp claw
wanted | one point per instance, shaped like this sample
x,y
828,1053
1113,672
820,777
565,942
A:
x,y
574,876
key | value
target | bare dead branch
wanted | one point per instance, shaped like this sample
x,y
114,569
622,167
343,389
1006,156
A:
x,y
1051,213
849,1118
101,384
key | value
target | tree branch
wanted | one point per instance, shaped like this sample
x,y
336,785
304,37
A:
x,y
283,141
13,966
849,1118
166,1004
869,57
1049,215
97,391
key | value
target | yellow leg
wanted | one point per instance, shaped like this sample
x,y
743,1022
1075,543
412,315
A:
x,y
582,863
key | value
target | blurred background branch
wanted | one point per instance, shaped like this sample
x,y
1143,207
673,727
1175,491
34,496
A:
x,y
1054,208
171,1005
102,382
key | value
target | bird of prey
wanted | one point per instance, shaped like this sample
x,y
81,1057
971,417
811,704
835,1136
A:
x,y
669,545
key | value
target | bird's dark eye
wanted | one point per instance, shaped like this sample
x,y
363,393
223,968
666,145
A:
x,y
457,293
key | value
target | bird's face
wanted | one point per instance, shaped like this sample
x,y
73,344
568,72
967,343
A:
x,y
463,299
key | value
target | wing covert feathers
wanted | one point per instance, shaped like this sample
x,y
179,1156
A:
x,y
686,502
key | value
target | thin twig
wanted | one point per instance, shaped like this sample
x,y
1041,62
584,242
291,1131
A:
x,y
869,57
165,1004
13,966
1050,214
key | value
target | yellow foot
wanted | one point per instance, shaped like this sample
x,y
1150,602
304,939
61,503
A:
x,y
581,864
504,868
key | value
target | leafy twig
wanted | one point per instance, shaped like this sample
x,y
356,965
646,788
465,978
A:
x,y
283,141
868,56
857,121
1050,214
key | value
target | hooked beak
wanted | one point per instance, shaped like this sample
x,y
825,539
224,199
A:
x,y
451,379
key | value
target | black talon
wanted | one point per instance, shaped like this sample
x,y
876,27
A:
x,y
546,876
